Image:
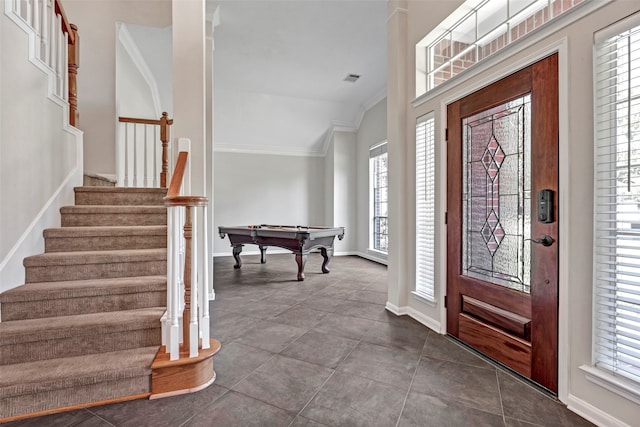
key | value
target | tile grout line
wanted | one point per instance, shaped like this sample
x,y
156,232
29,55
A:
x,y
504,418
415,372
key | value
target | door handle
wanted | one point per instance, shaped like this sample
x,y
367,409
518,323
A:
x,y
545,240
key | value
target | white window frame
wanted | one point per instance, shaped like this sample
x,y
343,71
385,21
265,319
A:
x,y
425,208
374,153
616,277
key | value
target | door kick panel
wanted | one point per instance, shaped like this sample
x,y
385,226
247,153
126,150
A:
x,y
513,323
495,343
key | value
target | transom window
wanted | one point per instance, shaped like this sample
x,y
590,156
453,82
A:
x,y
477,30
379,192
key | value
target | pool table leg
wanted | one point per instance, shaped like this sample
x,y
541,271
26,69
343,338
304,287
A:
x,y
263,254
327,257
236,255
301,259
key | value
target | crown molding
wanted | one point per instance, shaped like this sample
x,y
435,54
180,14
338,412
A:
x,y
265,150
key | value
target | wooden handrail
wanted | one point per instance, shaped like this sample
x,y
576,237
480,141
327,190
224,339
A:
x,y
173,197
66,26
164,122
178,175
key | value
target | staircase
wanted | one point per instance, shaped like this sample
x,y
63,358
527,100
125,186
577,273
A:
x,y
84,329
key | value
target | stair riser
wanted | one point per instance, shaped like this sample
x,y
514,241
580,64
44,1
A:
x,y
85,305
79,345
74,396
55,273
112,219
102,243
120,199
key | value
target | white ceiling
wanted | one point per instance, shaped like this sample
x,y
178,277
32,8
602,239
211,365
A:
x,y
279,69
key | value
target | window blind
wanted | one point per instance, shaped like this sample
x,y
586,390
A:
x,y
617,204
425,207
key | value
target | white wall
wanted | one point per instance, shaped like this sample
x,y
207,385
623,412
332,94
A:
x,y
576,185
40,156
96,21
156,48
133,95
144,62
372,131
265,189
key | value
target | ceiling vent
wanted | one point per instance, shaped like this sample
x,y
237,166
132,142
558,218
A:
x,y
351,78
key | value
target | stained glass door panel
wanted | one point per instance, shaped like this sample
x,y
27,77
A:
x,y
496,194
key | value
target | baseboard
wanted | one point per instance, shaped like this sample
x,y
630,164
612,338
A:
x,y
593,414
372,258
414,314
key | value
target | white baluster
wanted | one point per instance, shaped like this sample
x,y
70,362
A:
x,y
170,276
193,322
52,36
44,33
120,154
204,283
134,161
175,330
143,160
125,156
60,57
18,7
37,10
65,67
27,6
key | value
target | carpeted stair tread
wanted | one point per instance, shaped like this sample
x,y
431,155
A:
x,y
70,372
83,288
95,257
105,231
92,195
97,238
113,215
112,209
55,328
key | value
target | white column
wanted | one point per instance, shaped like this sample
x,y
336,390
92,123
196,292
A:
x,y
189,84
397,100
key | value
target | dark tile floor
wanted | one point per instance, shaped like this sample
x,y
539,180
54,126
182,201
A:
x,y
325,352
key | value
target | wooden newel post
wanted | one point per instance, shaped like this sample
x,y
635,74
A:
x,y
165,122
74,61
186,315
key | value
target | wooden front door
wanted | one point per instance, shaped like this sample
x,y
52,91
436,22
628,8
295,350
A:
x,y
502,226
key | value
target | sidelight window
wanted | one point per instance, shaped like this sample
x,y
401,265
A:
x,y
617,202
425,207
379,192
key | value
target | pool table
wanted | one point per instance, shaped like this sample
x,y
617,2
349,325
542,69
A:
x,y
298,239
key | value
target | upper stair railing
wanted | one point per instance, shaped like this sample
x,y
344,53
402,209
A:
x,y
187,269
143,151
57,44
